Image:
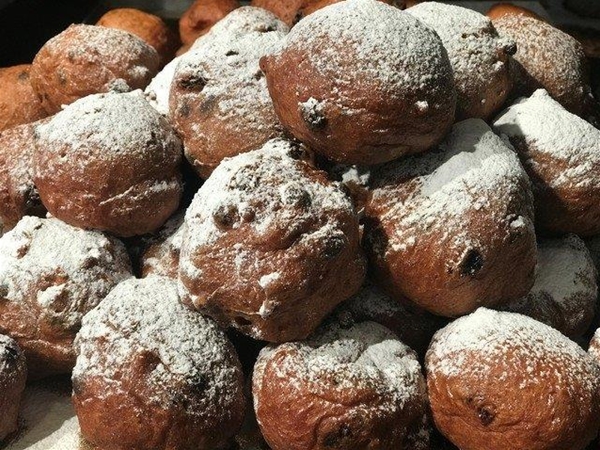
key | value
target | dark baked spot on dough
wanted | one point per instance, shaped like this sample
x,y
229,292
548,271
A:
x,y
263,28
3,291
195,82
335,438
259,75
485,415
148,361
225,215
231,53
334,246
242,322
472,263
23,76
297,196
11,355
313,116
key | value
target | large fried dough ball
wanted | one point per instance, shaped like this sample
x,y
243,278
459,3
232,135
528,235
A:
x,y
270,245
346,389
561,154
51,275
500,380
109,162
88,59
362,82
153,375
452,230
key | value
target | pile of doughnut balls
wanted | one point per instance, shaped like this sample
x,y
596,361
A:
x,y
324,225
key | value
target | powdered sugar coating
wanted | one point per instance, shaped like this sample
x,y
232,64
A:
x,y
336,362
236,185
86,59
145,317
382,59
107,126
445,229
109,162
471,167
502,377
158,91
485,337
565,290
219,102
246,19
545,127
162,255
285,238
61,271
477,54
548,58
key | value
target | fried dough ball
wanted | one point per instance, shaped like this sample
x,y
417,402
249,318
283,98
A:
x,y
270,245
219,101
501,380
550,59
346,389
51,275
452,229
153,375
478,55
358,93
19,103
561,154
109,162
88,59
148,27
503,9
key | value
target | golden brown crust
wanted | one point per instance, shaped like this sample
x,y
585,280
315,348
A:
x,y
13,374
345,389
342,108
453,229
271,246
18,195
201,16
150,28
503,9
501,380
109,162
561,154
479,57
19,103
56,275
88,59
550,59
219,88
153,375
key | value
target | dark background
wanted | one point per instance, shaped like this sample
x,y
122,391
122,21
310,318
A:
x,y
25,25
